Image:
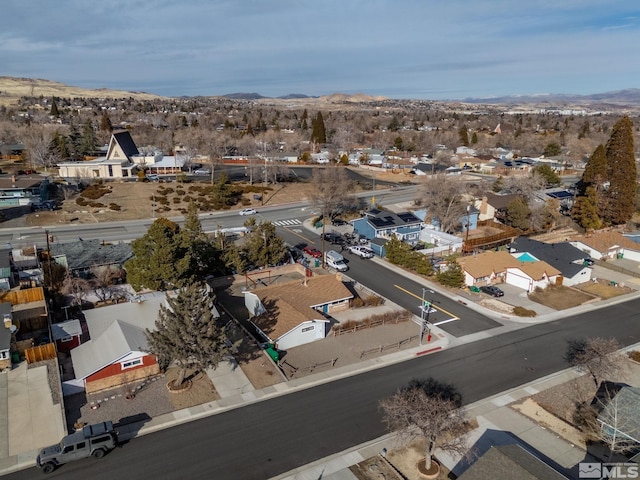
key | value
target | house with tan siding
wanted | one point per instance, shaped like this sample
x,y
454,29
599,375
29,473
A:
x,y
298,312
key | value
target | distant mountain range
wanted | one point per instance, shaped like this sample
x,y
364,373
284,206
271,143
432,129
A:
x,y
630,96
12,88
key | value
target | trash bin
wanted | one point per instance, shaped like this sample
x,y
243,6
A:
x,y
474,289
15,357
317,263
620,255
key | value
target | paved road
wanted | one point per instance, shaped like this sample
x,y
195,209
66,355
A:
x,y
271,437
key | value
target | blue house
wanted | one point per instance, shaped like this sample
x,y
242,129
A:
x,y
383,224
471,217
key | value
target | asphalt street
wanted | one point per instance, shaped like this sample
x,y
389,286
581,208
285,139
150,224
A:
x,y
267,438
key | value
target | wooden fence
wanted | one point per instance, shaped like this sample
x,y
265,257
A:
x,y
39,353
383,320
390,346
18,297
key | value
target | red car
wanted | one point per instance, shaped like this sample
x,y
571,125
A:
x,y
309,250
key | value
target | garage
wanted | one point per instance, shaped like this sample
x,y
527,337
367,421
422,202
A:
x,y
519,279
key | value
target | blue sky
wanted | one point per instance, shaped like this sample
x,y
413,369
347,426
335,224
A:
x,y
418,49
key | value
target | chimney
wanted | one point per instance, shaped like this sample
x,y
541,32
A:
x,y
7,320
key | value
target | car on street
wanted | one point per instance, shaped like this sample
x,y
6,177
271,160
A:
x,y
202,171
492,290
314,252
248,211
362,252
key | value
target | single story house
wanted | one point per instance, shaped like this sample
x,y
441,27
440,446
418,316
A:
x,y
66,334
295,313
605,245
510,461
383,224
18,190
491,267
117,352
486,268
6,275
81,256
563,256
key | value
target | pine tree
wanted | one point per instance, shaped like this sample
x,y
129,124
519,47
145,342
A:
x,y
622,174
584,211
318,132
88,141
451,275
188,334
159,258
463,135
201,256
518,213
263,246
54,112
595,171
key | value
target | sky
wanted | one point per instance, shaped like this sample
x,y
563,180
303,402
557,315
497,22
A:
x,y
404,49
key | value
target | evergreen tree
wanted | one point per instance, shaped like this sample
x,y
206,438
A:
x,y
584,211
54,112
595,171
263,246
200,255
89,141
552,149
394,125
159,258
188,334
622,174
518,214
551,178
451,275
318,132
59,147
463,135
498,184
304,124
474,138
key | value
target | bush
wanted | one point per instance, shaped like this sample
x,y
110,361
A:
x,y
115,207
93,192
635,355
523,312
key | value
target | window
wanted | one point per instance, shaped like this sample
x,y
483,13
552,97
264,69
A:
x,y
307,329
110,170
131,363
66,339
67,449
104,438
4,354
81,445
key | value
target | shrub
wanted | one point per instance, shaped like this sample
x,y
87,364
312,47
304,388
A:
x,y
523,312
93,192
97,205
82,202
115,207
177,200
635,355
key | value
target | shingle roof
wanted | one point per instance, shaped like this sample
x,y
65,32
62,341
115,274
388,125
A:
x,y
126,143
88,253
290,304
500,202
487,263
561,255
605,241
625,406
537,270
510,461
115,331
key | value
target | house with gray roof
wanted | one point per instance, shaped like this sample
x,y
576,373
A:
x,y
563,256
619,418
510,461
117,353
81,256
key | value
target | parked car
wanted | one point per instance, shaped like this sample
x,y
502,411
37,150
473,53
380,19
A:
x,y
314,252
202,171
492,290
248,211
152,177
334,238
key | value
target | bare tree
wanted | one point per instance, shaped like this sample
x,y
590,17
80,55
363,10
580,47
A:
x,y
76,287
103,282
598,357
443,197
428,409
331,190
37,140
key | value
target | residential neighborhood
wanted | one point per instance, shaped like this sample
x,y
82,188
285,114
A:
x,y
154,280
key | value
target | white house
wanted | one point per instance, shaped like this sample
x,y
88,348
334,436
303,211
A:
x,y
606,245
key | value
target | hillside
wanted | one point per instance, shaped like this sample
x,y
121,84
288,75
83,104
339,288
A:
x,y
12,88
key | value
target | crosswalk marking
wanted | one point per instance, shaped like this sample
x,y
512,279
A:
x,y
287,223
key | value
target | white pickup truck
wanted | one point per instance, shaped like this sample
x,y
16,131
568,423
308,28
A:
x,y
361,251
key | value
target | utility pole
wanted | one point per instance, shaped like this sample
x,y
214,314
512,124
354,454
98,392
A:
x,y
46,232
424,317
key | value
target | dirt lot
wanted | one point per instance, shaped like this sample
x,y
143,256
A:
x,y
561,297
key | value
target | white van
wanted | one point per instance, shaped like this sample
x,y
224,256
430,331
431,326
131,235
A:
x,y
335,260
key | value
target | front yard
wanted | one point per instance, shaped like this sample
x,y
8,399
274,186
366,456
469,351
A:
x,y
560,297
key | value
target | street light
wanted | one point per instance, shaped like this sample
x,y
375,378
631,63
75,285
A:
x,y
424,320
